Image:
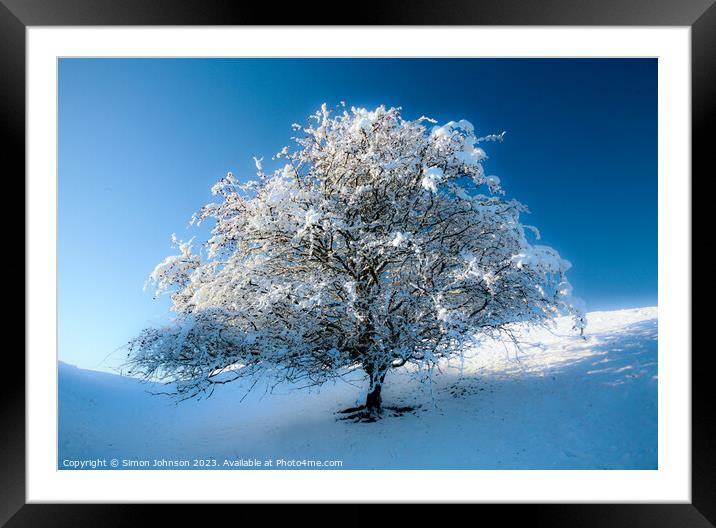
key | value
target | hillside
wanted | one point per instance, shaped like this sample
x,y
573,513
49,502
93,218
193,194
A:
x,y
560,402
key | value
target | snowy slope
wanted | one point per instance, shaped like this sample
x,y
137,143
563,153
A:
x,y
560,402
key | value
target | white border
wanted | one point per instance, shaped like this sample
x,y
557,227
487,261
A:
x,y
671,482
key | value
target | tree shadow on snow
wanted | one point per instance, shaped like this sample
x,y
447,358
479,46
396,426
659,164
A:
x,y
611,358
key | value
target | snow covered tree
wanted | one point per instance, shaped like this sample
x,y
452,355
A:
x,y
380,242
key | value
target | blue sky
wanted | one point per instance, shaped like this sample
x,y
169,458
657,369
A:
x,y
141,141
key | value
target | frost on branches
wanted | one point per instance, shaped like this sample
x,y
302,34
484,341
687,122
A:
x,y
381,242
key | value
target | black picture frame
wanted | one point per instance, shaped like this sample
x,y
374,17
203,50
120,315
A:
x,y
699,15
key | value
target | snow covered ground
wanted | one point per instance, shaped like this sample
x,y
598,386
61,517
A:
x,y
561,402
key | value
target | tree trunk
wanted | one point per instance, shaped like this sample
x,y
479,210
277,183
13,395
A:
x,y
374,401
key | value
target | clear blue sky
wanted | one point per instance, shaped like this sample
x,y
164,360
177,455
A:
x,y
141,141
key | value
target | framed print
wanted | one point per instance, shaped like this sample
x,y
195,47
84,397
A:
x,y
436,256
